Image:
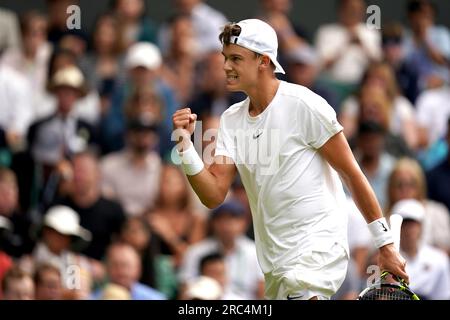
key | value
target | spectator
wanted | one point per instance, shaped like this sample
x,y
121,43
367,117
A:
x,y
394,55
427,46
9,29
439,178
17,285
124,269
132,176
158,270
17,241
143,62
101,216
428,267
104,65
59,238
48,282
207,23
401,120
407,181
32,57
181,57
54,139
375,162
228,226
136,26
173,221
303,69
347,47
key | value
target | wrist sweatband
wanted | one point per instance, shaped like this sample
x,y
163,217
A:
x,y
191,162
381,233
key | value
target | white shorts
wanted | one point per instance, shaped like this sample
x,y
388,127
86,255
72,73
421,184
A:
x,y
316,274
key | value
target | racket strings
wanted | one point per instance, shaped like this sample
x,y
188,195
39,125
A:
x,y
386,293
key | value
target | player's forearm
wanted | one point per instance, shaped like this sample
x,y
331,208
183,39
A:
x,y
363,195
208,188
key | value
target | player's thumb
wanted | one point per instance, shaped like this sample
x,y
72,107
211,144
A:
x,y
192,117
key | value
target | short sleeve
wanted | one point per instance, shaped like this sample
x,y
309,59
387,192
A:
x,y
225,145
317,122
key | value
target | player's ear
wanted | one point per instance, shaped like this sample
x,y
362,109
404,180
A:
x,y
264,61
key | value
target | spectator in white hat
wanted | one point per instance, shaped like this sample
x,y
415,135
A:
x,y
59,238
428,267
143,64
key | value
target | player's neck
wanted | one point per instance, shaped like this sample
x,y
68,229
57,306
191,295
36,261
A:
x,y
262,95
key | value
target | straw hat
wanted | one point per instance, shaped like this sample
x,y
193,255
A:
x,y
71,77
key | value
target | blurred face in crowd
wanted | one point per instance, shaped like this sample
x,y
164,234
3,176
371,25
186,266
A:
x,y
186,6
141,76
371,144
55,241
216,269
130,9
9,197
281,6
173,186
57,12
124,266
136,233
85,173
49,287
303,74
141,141
182,38
67,96
410,234
422,19
351,12
227,227
19,289
35,34
105,35
404,185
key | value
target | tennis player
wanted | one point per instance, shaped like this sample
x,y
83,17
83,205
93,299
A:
x,y
289,149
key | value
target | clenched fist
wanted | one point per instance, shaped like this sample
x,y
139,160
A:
x,y
184,125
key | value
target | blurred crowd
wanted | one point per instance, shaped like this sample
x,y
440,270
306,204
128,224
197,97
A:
x,y
92,203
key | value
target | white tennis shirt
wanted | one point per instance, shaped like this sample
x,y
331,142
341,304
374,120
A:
x,y
296,197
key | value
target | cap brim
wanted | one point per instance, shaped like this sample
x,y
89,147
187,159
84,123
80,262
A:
x,y
278,67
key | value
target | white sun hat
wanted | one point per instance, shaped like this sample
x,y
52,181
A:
x,y
143,54
409,209
66,221
203,288
258,36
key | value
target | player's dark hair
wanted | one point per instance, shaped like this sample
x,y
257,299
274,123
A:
x,y
231,29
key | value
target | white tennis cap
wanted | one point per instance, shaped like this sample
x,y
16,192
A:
x,y
409,209
260,37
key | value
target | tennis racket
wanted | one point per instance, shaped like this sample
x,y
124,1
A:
x,y
389,286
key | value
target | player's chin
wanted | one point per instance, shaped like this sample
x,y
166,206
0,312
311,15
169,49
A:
x,y
233,87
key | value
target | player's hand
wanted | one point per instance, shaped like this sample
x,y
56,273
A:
x,y
184,125
390,260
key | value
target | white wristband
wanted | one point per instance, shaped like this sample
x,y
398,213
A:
x,y
191,162
381,233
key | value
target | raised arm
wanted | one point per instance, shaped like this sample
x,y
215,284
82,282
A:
x,y
212,184
338,154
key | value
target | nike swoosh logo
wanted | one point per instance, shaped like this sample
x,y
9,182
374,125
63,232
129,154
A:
x,y
256,135
384,228
289,297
